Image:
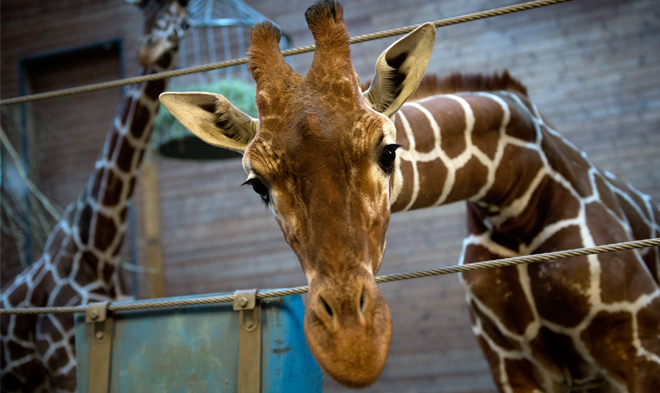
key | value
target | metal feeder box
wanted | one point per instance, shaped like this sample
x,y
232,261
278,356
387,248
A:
x,y
247,347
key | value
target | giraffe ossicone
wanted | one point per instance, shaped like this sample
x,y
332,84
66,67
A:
x,y
322,156
80,260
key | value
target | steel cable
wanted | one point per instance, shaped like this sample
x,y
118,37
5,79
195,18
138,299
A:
x,y
269,293
289,52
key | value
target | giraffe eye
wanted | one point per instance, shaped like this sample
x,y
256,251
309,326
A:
x,y
260,189
387,158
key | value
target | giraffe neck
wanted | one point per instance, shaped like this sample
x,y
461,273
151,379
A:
x,y
104,202
494,151
81,252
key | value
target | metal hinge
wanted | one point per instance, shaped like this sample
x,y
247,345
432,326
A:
x,y
99,329
249,341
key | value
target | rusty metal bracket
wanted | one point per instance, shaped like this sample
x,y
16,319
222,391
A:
x,y
99,329
249,341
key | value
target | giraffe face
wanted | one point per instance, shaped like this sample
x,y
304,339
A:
x,y
321,156
165,22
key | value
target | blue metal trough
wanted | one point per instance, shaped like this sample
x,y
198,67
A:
x,y
195,349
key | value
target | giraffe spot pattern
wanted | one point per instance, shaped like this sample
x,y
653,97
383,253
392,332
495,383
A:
x,y
504,221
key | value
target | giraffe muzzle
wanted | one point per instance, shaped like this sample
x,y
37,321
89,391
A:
x,y
348,327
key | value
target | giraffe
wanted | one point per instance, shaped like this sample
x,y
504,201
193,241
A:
x,y
80,262
323,157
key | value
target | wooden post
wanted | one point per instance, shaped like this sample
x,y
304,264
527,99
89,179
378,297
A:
x,y
152,228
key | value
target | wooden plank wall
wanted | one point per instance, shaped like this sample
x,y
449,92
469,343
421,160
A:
x,y
591,66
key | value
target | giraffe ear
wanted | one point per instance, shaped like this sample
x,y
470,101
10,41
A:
x,y
399,70
212,118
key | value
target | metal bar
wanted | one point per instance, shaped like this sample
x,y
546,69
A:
x,y
99,330
249,341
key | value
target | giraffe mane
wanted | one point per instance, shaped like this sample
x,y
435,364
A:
x,y
432,84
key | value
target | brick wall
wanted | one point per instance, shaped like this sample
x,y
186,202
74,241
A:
x,y
591,67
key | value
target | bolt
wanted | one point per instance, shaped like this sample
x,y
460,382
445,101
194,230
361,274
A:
x,y
242,302
99,335
93,315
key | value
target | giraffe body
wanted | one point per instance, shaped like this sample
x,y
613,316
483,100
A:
x,y
587,322
322,156
80,260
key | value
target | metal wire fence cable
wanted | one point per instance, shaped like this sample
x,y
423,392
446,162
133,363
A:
x,y
506,262
290,52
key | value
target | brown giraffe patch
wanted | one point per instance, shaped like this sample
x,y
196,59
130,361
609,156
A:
x,y
557,352
450,116
67,296
63,266
499,290
40,292
475,222
125,158
622,279
108,269
18,295
141,118
650,261
606,196
57,239
637,224
48,326
492,331
113,188
521,374
648,328
493,360
24,329
112,142
15,350
512,179
609,340
568,162
59,359
424,141
478,175
560,288
485,135
520,125
83,224
127,103
154,88
106,231
89,260
539,213
432,176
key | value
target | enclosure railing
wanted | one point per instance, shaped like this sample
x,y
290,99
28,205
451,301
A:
x,y
498,263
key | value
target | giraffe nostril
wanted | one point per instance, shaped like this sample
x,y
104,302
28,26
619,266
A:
x,y
326,306
362,302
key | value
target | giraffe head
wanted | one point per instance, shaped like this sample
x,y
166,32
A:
x,y
321,156
164,25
